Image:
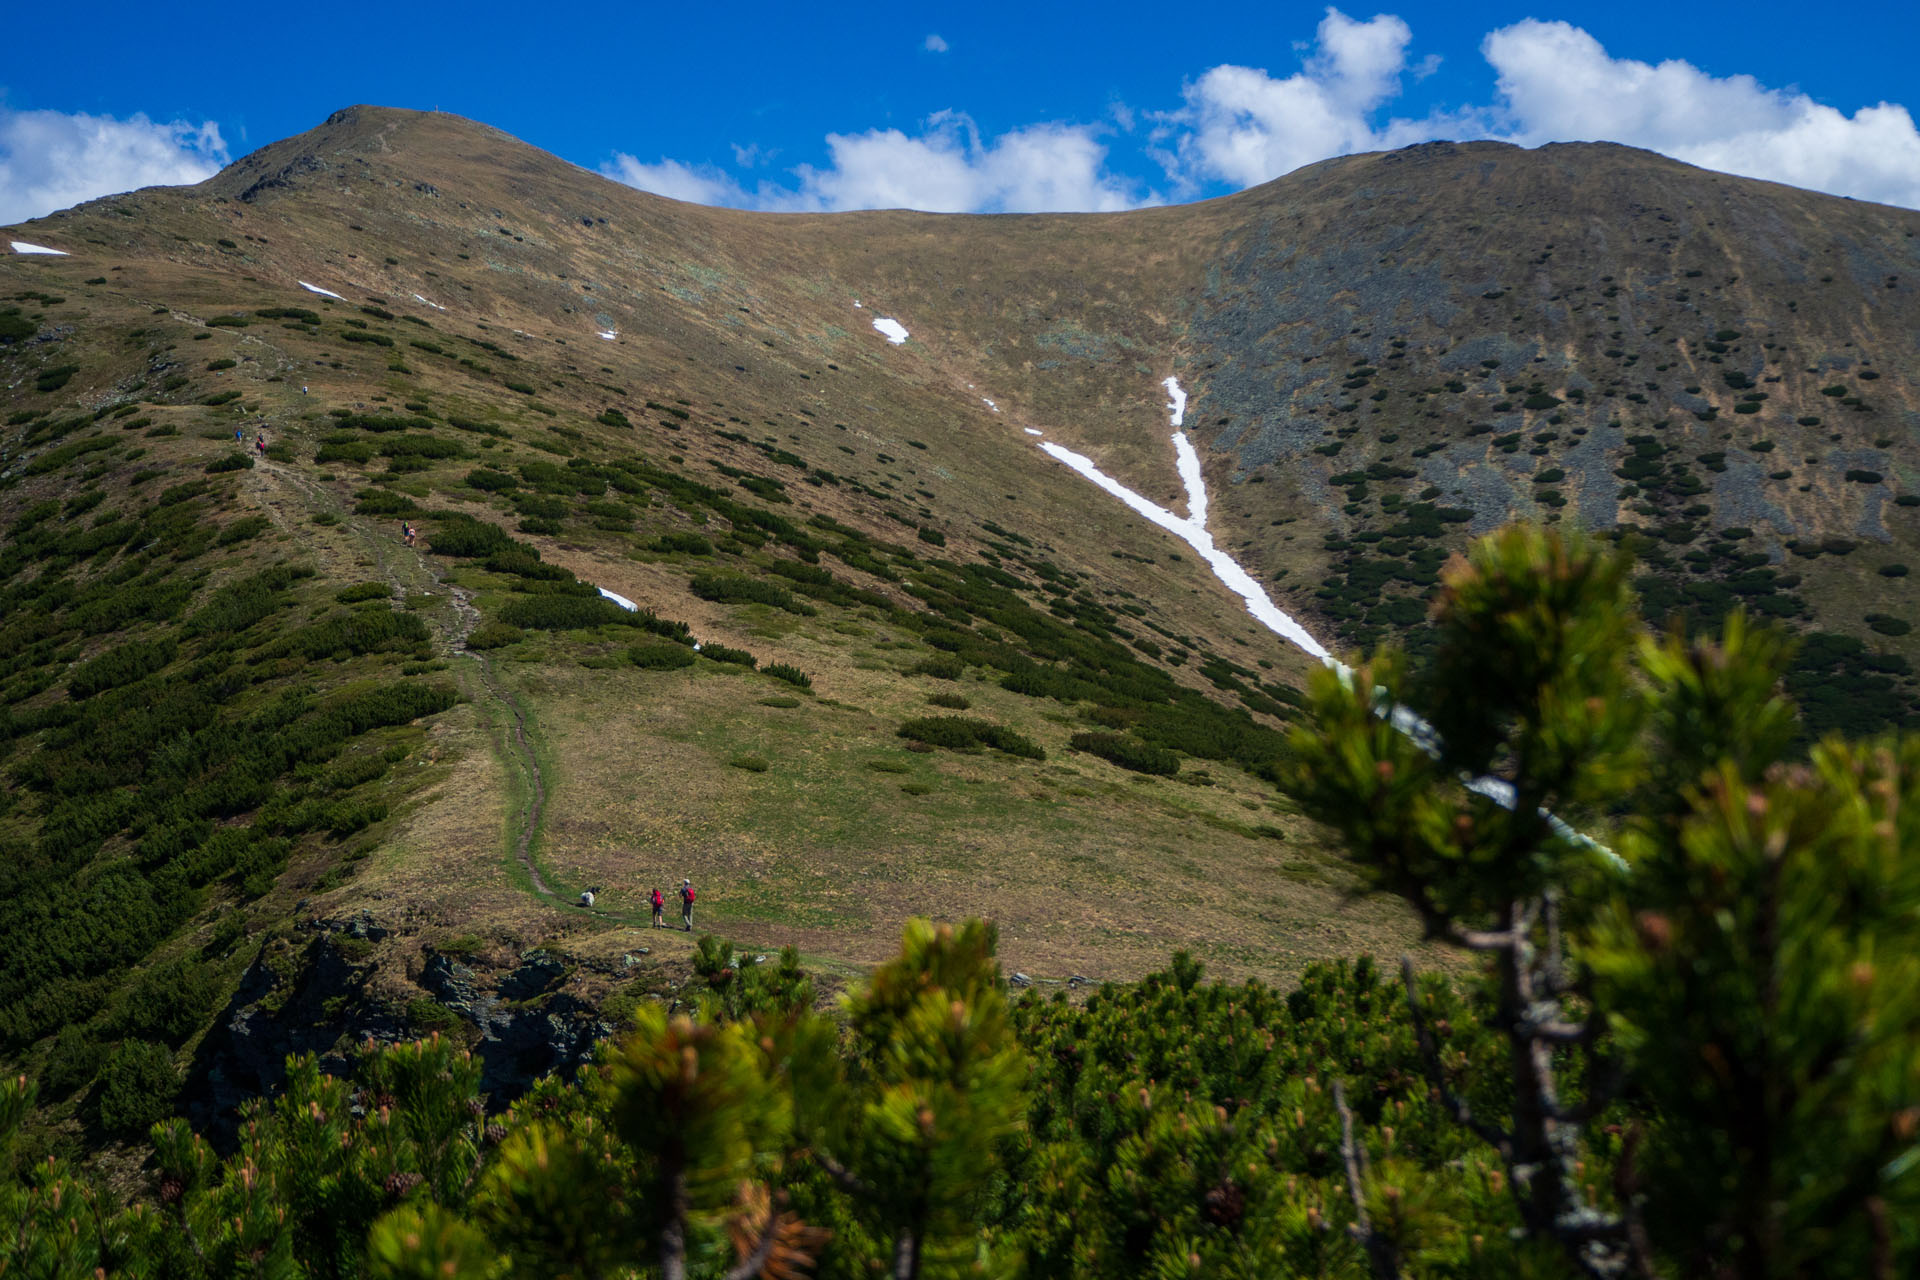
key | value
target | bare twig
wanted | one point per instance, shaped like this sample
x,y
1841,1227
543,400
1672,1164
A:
x,y
842,1176
750,1265
1492,1135
1626,1189
1382,1257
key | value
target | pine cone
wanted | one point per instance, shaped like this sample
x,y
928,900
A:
x,y
401,1181
1225,1204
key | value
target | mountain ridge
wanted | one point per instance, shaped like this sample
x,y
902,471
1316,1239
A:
x,y
1382,353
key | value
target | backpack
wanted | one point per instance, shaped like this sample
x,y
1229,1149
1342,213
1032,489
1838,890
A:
x,y
687,893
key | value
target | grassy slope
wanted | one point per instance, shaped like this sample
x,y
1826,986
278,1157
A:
x,y
1089,868
740,356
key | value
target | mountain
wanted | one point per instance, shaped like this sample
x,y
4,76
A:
x,y
274,778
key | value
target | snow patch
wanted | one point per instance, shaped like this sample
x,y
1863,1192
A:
x,y
856,304
1260,606
622,601
892,330
21,246
990,404
436,306
314,288
1177,401
1030,431
609,334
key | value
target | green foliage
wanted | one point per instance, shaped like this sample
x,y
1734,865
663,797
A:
x,y
691,544
791,674
494,635
1734,946
52,379
727,654
125,664
361,592
136,1087
168,1003
464,536
737,588
567,613
1128,753
490,481
355,451
230,462
751,763
661,656
965,733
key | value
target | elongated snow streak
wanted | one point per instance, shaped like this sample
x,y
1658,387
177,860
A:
x,y
314,288
21,246
990,404
1033,431
622,601
1237,580
436,306
609,334
1193,531
893,330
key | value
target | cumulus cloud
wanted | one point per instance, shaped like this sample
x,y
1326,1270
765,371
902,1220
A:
x,y
1239,126
946,167
1558,84
50,160
935,44
696,184
949,168
1243,126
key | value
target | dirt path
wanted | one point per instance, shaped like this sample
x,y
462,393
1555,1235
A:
x,y
279,487
518,743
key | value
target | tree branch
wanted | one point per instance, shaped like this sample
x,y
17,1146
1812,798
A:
x,y
842,1177
1493,1136
1381,1255
750,1265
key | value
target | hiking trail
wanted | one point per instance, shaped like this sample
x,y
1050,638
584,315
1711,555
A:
x,y
278,486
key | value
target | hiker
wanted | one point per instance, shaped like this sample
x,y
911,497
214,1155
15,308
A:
x,y
260,443
686,905
659,901
240,435
406,533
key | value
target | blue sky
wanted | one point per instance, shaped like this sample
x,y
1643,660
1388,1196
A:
x,y
984,106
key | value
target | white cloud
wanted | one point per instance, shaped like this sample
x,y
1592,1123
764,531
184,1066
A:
x,y
696,184
1243,126
935,44
50,160
945,168
1240,126
1558,84
1043,168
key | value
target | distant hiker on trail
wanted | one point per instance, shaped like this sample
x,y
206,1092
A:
x,y
239,435
659,901
406,533
686,905
260,443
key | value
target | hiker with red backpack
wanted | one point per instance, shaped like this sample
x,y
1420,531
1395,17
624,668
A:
x,y
686,905
659,901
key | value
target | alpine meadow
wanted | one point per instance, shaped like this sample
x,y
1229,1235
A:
x,y
1361,728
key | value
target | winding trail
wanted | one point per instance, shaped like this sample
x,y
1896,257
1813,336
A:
x,y
401,567
517,743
